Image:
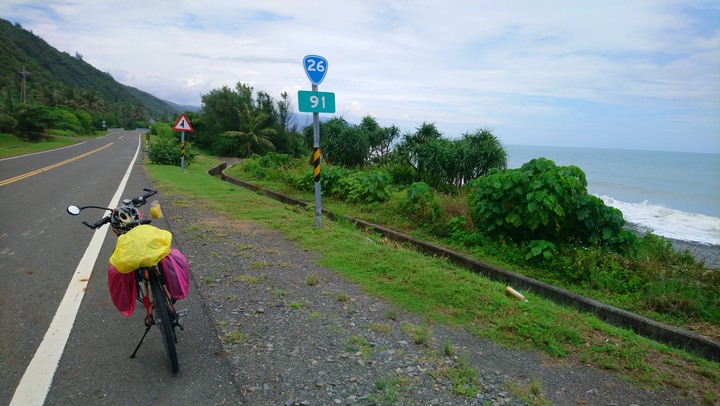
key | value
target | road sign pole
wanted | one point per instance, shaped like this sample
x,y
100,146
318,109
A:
x,y
182,151
316,164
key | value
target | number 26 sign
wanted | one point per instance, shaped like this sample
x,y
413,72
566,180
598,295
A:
x,y
315,68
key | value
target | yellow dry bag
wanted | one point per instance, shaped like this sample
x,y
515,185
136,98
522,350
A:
x,y
140,247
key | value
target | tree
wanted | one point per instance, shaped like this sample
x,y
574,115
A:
x,y
379,139
474,155
423,150
252,132
32,121
341,143
285,116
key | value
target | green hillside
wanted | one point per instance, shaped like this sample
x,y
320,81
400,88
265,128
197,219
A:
x,y
58,79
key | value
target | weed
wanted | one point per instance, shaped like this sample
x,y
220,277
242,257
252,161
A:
x,y
391,315
249,279
312,279
280,293
447,349
380,328
710,399
462,377
342,297
235,337
420,334
535,387
359,344
260,264
388,390
296,305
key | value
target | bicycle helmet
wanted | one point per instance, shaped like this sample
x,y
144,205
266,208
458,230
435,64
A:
x,y
122,219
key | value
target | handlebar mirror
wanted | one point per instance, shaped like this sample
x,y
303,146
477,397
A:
x,y
74,210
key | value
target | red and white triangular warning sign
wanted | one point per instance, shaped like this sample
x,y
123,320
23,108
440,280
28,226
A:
x,y
183,124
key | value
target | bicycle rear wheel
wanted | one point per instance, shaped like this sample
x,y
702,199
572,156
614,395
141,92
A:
x,y
162,319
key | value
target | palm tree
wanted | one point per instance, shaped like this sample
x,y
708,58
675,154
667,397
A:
x,y
252,133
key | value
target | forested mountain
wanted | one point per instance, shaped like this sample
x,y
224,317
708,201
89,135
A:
x,y
57,78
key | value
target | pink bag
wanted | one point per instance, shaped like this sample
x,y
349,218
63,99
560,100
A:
x,y
123,290
177,273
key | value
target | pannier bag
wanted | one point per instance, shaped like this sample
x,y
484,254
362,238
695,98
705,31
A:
x,y
177,273
142,246
123,289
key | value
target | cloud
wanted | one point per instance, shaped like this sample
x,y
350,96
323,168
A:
x,y
560,73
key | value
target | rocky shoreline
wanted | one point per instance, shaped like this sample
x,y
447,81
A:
x,y
708,254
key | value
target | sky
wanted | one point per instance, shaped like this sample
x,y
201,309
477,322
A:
x,y
623,74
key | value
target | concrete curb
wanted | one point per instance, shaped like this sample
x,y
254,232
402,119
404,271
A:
x,y
692,342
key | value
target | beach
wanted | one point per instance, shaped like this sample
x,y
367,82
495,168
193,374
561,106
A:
x,y
709,254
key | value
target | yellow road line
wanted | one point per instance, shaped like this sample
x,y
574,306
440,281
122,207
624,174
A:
x,y
53,166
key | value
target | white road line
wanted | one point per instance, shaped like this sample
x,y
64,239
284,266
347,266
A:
x,y
35,383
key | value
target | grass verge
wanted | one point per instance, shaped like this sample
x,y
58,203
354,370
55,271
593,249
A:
x,y
11,145
444,293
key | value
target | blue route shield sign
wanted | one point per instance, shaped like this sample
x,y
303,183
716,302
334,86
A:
x,y
315,68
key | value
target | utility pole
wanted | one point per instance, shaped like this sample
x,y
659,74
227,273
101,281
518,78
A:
x,y
23,95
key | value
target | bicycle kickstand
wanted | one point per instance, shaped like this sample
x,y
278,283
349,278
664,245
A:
x,y
141,341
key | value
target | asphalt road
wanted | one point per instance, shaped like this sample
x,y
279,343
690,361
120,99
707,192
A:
x,y
40,249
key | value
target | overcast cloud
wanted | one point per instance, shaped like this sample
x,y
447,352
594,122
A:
x,y
612,74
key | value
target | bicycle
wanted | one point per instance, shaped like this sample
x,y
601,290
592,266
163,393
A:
x,y
149,277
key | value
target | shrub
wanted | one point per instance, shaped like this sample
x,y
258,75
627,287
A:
x,y
163,130
364,187
32,121
420,202
166,151
542,201
274,160
304,181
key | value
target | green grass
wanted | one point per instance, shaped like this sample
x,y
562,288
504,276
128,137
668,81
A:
x,y
442,292
10,145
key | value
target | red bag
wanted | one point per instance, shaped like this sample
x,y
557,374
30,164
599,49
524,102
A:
x,y
123,290
177,273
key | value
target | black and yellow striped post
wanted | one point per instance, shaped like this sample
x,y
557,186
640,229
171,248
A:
x,y
182,155
316,164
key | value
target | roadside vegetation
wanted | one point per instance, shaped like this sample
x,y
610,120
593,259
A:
x,y
537,220
444,293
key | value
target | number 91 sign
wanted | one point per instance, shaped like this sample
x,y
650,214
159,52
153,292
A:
x,y
316,102
315,68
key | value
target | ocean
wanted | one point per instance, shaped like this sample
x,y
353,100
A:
x,y
674,194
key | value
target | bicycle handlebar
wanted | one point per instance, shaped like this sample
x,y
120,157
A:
x,y
140,200
135,202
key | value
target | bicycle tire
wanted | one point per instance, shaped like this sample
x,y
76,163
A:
x,y
162,319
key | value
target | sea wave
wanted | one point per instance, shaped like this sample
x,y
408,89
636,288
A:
x,y
669,223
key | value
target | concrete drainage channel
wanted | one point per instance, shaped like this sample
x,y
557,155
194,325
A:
x,y
644,326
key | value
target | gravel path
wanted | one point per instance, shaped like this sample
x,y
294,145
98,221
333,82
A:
x,y
299,334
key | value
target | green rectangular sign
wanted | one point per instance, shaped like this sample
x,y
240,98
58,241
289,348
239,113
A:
x,y
316,102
